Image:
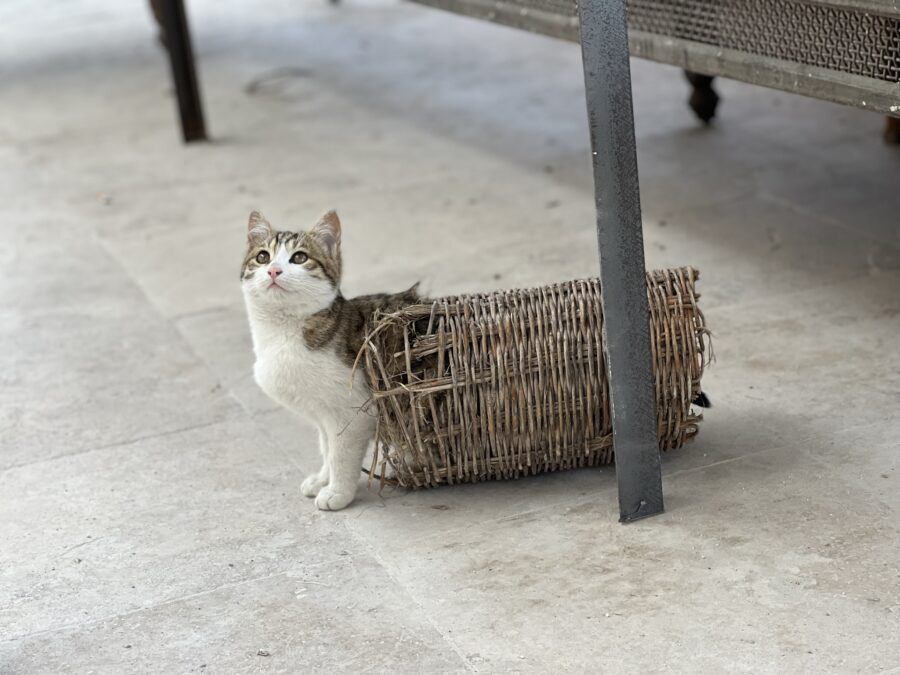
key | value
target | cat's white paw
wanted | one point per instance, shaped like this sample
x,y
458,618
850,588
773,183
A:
x,y
312,485
329,500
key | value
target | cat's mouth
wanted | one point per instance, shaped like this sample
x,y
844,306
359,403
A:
x,y
274,285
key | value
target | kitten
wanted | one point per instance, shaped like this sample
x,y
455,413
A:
x,y
306,336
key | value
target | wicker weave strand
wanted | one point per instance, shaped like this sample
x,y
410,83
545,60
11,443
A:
x,y
513,383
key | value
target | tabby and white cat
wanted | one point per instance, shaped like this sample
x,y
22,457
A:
x,y
306,336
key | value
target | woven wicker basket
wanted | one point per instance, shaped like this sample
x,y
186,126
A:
x,y
513,383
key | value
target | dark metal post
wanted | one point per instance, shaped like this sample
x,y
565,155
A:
x,y
607,77
178,43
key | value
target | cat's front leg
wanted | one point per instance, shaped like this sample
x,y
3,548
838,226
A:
x,y
348,447
314,483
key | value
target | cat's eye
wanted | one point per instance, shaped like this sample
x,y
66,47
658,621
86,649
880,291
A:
x,y
299,258
262,257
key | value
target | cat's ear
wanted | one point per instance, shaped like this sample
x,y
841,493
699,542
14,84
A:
x,y
328,232
258,229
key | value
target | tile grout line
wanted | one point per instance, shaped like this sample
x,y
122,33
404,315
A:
x,y
839,224
427,615
138,610
252,418
115,444
170,323
176,318
181,598
796,293
173,323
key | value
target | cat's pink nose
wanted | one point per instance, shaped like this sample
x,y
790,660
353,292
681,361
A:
x,y
274,271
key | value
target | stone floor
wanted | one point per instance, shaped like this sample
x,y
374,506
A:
x,y
150,516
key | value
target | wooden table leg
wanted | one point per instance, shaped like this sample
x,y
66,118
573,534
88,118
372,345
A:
x,y
176,37
704,100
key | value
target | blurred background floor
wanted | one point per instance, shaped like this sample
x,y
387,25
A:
x,y
150,515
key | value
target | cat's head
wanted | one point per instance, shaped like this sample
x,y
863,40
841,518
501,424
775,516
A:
x,y
292,270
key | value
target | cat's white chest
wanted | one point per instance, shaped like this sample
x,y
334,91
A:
x,y
313,383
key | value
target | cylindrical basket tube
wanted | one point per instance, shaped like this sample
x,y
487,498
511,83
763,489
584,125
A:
x,y
513,383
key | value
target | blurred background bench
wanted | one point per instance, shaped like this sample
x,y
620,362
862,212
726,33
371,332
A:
x,y
847,51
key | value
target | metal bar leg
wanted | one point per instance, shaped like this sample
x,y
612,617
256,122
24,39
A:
x,y
177,39
607,77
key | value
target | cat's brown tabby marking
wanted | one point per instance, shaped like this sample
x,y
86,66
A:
x,y
345,322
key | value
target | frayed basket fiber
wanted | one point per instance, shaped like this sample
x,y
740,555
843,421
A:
x,y
513,383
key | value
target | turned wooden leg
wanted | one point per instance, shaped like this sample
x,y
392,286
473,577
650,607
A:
x,y
892,130
161,29
175,37
704,100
